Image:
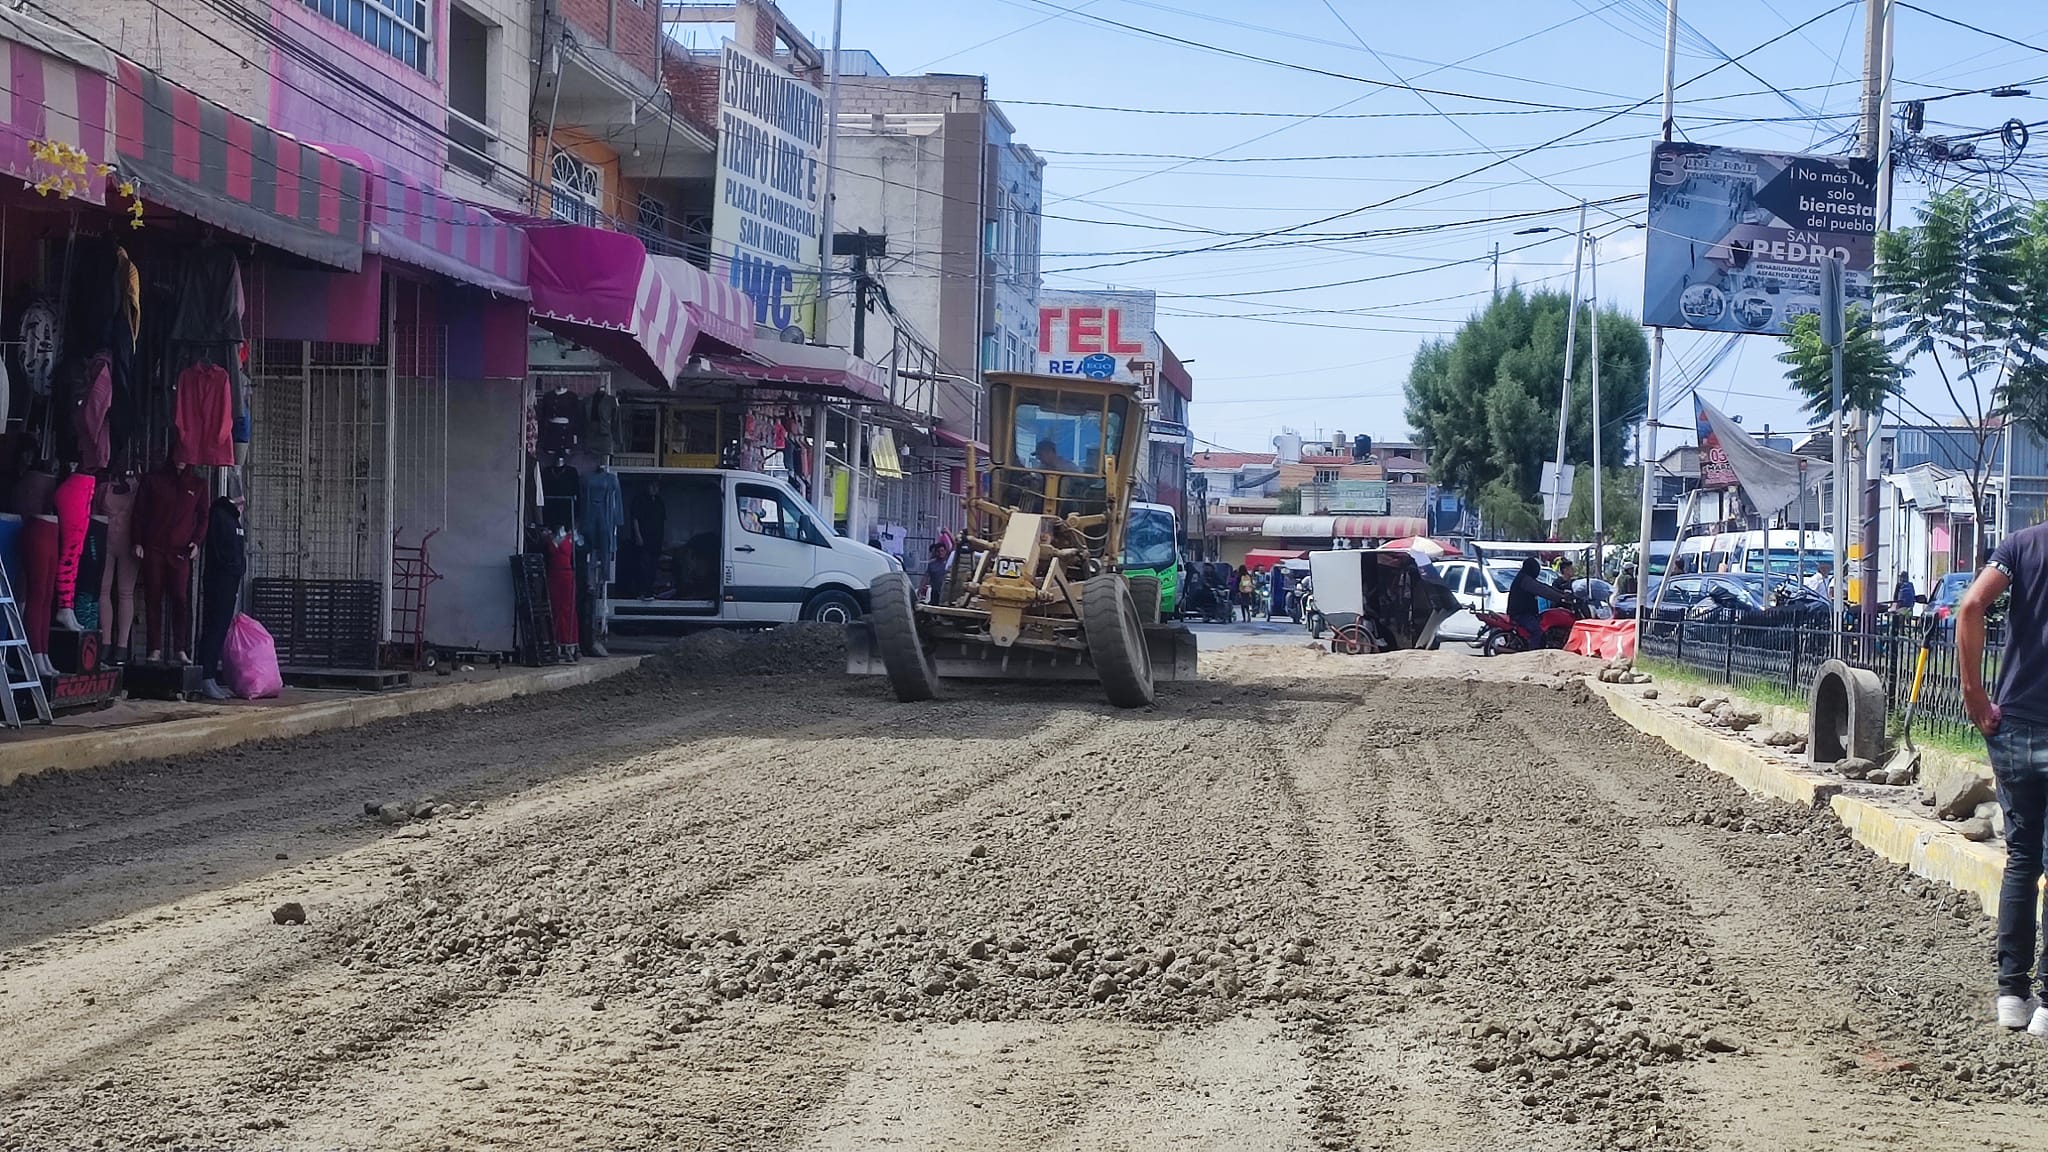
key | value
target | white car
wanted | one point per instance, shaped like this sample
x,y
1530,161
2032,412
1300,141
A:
x,y
1477,589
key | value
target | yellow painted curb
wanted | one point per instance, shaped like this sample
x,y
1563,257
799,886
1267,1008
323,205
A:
x,y
75,752
1924,846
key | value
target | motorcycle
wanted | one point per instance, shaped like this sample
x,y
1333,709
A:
x,y
1499,635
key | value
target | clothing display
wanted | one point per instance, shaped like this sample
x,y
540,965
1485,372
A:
x,y
92,563
33,491
561,421
602,434
204,417
74,516
38,579
562,588
170,522
209,309
602,511
89,412
220,582
561,486
116,501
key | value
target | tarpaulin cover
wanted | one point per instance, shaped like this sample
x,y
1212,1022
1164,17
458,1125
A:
x,y
1769,478
1606,639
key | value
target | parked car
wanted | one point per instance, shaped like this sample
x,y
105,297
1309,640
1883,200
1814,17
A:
x,y
1948,592
1477,588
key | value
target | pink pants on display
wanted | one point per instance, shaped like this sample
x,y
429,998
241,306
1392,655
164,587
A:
x,y
74,516
38,579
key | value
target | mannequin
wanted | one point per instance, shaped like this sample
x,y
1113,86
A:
x,y
33,491
601,436
92,566
560,488
38,586
603,510
170,521
562,588
561,421
220,586
74,515
89,409
118,573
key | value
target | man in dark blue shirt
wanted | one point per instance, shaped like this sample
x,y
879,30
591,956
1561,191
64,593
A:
x,y
2015,728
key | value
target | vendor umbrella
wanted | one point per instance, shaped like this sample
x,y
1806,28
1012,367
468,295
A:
x,y
1434,549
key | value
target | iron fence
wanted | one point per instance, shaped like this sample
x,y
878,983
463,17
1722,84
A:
x,y
1785,660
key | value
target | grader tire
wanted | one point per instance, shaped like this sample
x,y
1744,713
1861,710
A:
x,y
1145,593
892,615
1116,641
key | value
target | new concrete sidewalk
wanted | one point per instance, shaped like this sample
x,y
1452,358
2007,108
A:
x,y
151,730
1889,821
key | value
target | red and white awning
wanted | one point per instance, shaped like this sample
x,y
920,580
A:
x,y
55,87
647,313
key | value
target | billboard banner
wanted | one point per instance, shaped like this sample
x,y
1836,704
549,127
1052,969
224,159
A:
x,y
1715,471
766,220
1100,336
1737,238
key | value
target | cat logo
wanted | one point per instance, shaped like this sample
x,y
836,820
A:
x,y
1009,566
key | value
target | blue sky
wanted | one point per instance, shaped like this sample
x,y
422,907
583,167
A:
x,y
1315,332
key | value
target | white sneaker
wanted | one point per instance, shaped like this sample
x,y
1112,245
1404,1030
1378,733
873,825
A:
x,y
2038,1029
2014,1010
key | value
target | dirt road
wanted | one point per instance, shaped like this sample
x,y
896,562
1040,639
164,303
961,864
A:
x,y
1430,903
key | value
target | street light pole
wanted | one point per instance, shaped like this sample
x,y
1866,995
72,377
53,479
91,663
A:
x,y
1593,317
1564,401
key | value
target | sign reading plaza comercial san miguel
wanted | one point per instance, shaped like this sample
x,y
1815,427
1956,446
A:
x,y
766,221
1737,238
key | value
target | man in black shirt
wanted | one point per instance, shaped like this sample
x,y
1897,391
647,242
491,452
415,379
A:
x,y
2015,728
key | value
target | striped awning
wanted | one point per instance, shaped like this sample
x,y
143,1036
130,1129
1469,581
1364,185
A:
x,y
427,228
193,156
56,87
599,288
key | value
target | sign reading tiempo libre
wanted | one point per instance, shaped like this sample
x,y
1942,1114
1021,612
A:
x,y
771,187
1737,237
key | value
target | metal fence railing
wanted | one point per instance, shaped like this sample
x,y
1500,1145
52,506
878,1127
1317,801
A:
x,y
1784,659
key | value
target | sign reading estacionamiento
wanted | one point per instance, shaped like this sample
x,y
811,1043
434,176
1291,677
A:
x,y
1737,238
766,221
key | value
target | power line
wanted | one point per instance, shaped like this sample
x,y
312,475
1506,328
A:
x,y
1964,24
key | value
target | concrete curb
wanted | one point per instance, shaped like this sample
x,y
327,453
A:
x,y
1924,846
76,752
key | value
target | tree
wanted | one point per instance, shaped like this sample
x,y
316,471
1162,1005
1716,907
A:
x,y
1870,379
1485,400
1287,502
1951,288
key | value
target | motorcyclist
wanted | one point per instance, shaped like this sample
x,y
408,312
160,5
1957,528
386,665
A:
x,y
1528,589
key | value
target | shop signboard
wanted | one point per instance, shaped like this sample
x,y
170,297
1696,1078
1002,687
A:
x,y
767,218
1737,238
1099,336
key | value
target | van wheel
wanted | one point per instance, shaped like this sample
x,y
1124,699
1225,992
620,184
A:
x,y
1145,593
1116,641
832,607
894,620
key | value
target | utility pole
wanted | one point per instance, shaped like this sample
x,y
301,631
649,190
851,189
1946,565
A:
x,y
1496,269
1649,434
862,246
1877,78
1564,401
827,236
1593,317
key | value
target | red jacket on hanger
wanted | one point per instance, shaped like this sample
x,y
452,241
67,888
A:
x,y
205,416
170,511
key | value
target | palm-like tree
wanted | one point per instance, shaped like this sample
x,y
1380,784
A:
x,y
1870,378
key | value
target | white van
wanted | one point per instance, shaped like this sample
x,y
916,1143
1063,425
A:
x,y
735,548
1754,552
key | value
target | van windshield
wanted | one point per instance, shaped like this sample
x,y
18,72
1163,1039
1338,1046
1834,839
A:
x,y
1149,540
1783,562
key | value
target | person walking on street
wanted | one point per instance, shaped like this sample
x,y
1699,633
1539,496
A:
x,y
1906,597
1247,588
2015,728
1276,593
935,575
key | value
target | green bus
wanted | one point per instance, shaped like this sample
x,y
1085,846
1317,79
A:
x,y
1152,548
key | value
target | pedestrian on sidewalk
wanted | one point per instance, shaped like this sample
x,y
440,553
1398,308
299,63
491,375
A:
x,y
2015,728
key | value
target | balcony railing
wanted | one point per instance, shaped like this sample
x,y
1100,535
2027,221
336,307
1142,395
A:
x,y
472,146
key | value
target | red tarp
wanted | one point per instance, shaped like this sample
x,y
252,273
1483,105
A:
x,y
1260,559
1605,639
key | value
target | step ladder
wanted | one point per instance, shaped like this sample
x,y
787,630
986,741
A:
x,y
17,664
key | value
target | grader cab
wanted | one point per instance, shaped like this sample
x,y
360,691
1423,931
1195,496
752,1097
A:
x,y
1034,591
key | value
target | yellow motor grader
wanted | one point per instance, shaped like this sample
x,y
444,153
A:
x,y
1034,590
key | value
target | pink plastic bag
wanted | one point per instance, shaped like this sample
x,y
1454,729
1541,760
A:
x,y
248,661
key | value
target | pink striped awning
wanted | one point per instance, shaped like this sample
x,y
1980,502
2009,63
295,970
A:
x,y
427,228
599,288
716,309
810,368
56,87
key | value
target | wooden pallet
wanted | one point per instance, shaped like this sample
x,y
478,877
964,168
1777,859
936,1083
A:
x,y
354,679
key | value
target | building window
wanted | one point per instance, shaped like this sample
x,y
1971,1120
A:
x,y
469,55
1326,475
577,189
652,215
398,27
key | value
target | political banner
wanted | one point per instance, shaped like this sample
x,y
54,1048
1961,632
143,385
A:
x,y
1737,238
1715,471
767,218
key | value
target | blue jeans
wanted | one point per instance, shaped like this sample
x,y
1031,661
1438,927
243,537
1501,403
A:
x,y
1532,627
2019,763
